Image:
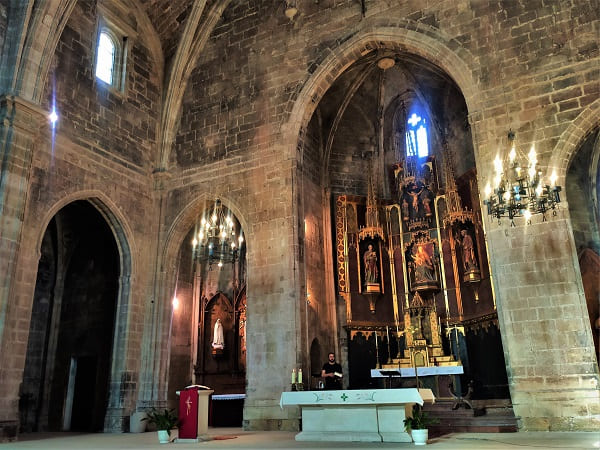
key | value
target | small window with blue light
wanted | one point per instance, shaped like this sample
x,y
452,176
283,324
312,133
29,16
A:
x,y
105,58
416,136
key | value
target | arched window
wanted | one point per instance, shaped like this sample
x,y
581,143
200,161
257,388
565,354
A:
x,y
417,143
111,52
105,58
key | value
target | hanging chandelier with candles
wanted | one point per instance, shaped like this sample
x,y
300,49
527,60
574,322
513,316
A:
x,y
216,241
520,190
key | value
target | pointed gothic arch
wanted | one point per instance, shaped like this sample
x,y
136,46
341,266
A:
x,y
88,362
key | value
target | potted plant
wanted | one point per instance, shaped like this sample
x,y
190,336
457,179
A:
x,y
164,421
417,425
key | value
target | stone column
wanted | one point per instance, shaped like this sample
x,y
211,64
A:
x,y
20,123
154,363
547,339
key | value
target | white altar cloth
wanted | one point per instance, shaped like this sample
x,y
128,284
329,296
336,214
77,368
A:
x,y
422,371
372,415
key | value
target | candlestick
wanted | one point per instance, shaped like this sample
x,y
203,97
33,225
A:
x,y
377,364
387,331
293,376
299,376
399,353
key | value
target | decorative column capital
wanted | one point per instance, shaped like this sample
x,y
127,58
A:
x,y
161,178
23,114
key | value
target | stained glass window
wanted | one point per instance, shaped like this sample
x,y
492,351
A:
x,y
416,136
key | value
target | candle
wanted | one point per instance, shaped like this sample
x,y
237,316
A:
x,y
387,331
376,340
299,376
293,376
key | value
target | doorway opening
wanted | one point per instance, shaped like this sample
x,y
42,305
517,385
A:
x,y
67,369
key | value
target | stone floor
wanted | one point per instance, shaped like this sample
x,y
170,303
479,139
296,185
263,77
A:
x,y
235,438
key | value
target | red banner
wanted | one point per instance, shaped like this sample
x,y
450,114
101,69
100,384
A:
x,y
188,414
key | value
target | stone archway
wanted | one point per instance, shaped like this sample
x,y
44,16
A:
x,y
71,338
576,157
404,36
205,291
581,183
570,140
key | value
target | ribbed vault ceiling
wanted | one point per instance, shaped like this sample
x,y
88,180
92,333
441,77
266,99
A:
x,y
168,18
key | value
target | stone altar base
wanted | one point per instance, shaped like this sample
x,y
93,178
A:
x,y
375,415
341,423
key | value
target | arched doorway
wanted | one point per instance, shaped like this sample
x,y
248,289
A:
x,y
66,377
210,287
583,188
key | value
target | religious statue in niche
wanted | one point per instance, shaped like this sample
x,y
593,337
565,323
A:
x,y
371,266
371,271
422,266
470,265
218,342
468,251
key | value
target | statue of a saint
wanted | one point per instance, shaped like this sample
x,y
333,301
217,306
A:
x,y
218,340
469,260
371,271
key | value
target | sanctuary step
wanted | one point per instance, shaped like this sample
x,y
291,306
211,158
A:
x,y
488,416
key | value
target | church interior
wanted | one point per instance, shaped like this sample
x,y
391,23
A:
x,y
222,192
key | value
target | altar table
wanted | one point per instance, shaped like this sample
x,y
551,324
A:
x,y
421,371
432,377
368,415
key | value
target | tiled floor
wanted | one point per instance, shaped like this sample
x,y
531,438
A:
x,y
285,440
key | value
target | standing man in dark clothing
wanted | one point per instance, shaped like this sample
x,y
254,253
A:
x,y
332,372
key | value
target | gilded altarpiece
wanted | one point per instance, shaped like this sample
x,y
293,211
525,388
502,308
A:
x,y
407,290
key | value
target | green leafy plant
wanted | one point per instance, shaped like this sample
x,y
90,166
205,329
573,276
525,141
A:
x,y
420,420
164,420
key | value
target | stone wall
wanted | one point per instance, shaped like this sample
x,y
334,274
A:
x,y
101,150
319,320
530,67
120,126
3,20
554,377
33,374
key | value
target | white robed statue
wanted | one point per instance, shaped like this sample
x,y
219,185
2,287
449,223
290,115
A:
x,y
218,340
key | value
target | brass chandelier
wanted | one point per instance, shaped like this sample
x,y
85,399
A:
x,y
521,190
216,240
